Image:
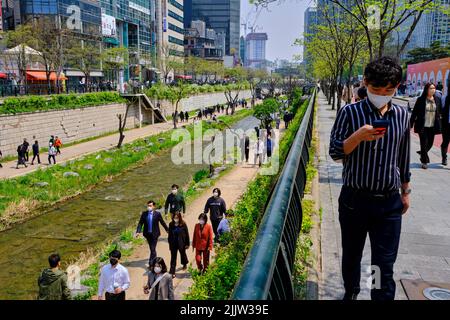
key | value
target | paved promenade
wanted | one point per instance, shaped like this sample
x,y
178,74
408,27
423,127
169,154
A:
x,y
9,168
424,252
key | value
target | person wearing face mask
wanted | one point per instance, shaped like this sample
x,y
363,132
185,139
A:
x,y
114,279
376,176
178,242
202,242
150,220
216,207
426,120
159,283
175,202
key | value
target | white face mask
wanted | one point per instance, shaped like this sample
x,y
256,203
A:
x,y
176,221
174,191
150,208
216,194
202,222
157,270
379,101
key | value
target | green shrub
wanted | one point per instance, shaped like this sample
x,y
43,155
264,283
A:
x,y
62,101
200,175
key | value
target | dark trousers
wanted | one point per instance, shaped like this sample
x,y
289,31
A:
x,y
426,142
173,258
58,150
445,141
50,157
152,242
247,151
381,218
215,225
36,156
27,156
116,297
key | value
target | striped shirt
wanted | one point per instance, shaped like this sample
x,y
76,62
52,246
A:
x,y
375,166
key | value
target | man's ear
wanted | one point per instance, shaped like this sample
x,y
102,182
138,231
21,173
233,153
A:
x,y
366,83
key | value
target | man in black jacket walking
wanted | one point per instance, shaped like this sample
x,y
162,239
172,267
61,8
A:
x,y
217,208
175,202
36,152
150,220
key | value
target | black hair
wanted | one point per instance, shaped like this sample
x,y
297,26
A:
x,y
362,93
175,186
203,216
53,260
383,72
152,202
115,254
218,191
161,262
425,90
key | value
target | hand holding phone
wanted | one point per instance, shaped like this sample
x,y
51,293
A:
x,y
381,126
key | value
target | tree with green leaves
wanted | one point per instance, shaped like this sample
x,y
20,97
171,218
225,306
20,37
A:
x,y
85,56
265,110
174,94
434,52
236,74
114,59
17,55
255,78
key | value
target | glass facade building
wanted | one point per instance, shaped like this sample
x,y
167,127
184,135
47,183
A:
x,y
221,15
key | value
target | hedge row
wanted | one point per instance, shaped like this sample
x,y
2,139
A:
x,y
56,102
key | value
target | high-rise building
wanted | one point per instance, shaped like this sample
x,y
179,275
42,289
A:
x,y
242,50
173,26
433,26
221,15
200,42
310,28
129,23
255,50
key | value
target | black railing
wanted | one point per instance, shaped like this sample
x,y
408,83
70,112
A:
x,y
267,272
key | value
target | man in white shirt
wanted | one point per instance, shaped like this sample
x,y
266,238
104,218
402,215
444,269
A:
x,y
114,279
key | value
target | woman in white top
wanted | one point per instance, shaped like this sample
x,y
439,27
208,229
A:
x,y
259,151
426,120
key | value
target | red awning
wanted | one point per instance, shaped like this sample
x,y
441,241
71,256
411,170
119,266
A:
x,y
3,75
41,75
183,77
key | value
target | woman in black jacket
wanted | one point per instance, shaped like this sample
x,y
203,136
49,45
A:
x,y
426,120
178,241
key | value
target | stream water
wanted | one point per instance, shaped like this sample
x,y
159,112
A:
x,y
86,221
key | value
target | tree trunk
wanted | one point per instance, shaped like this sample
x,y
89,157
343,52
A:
x,y
122,124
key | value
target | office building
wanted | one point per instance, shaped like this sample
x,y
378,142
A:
x,y
221,15
255,50
200,42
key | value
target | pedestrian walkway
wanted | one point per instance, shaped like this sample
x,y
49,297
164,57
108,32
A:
x,y
232,185
9,168
424,252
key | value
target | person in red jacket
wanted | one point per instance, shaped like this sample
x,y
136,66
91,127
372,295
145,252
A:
x,y
202,242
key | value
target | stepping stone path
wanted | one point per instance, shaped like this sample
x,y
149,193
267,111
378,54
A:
x,y
70,174
41,184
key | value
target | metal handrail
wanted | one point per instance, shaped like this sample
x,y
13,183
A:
x,y
267,271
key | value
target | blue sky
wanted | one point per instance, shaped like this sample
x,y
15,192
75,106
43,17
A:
x,y
283,22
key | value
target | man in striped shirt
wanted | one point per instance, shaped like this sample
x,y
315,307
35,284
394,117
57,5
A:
x,y
376,168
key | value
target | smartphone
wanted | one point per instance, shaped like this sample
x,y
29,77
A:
x,y
381,126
